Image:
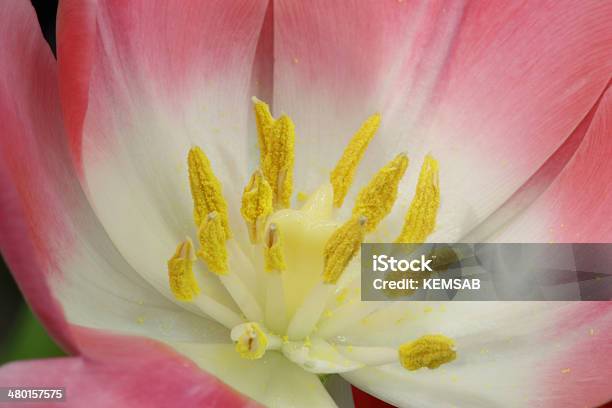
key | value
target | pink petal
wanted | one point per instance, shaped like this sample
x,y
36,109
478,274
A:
x,y
143,82
491,89
75,26
580,375
61,257
114,53
133,373
30,210
508,354
577,206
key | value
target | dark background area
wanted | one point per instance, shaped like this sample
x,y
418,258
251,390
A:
x,y
21,335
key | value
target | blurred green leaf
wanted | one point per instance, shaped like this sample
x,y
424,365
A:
x,y
27,339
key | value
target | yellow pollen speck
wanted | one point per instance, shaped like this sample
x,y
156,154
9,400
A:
x,y
205,190
341,247
341,177
276,144
427,309
429,351
301,196
341,297
252,343
140,320
212,242
307,342
376,199
420,220
274,259
328,313
256,204
180,272
565,371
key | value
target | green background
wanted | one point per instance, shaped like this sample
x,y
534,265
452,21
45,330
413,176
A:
x,y
21,334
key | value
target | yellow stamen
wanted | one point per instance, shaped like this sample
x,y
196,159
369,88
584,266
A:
x,y
376,199
277,165
274,259
341,177
276,145
251,341
256,204
205,190
429,351
265,123
420,219
341,247
212,242
180,272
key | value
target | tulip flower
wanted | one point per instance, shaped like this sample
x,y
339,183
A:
x,y
185,189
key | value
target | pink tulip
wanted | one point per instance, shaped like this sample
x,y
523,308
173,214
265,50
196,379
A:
x,y
513,100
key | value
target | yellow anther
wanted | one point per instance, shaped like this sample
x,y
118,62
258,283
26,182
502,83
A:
x,y
342,175
429,351
251,341
276,145
256,204
212,244
420,219
265,123
277,165
341,247
273,251
376,199
180,272
205,190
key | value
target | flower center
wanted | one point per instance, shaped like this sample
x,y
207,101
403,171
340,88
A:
x,y
296,288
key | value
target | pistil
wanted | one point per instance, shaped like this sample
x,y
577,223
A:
x,y
274,258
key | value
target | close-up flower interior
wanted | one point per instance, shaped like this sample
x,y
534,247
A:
x,y
187,188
